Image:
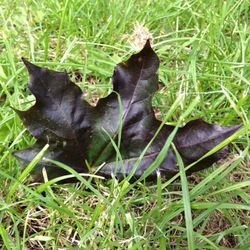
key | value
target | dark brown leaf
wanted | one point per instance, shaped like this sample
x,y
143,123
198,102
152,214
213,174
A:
x,y
78,133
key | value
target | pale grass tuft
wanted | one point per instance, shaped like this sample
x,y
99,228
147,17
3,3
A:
x,y
139,36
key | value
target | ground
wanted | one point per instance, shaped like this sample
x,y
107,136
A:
x,y
204,50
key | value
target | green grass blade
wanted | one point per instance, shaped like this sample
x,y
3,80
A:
x,y
186,202
26,172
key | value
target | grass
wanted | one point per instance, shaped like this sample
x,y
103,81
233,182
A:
x,y
204,48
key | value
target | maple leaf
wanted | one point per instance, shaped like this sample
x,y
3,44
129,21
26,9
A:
x,y
81,135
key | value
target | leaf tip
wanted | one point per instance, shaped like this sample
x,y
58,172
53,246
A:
x,y
32,68
148,54
147,44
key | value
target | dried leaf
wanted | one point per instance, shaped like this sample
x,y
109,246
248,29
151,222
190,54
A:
x,y
79,133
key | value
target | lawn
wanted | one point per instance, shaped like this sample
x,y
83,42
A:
x,y
204,49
